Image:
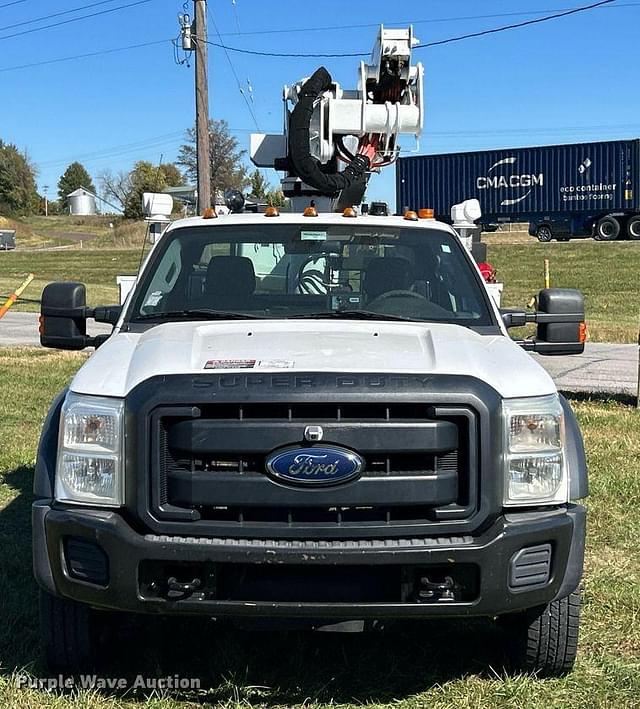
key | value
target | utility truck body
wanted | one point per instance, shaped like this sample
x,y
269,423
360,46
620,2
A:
x,y
349,436
314,417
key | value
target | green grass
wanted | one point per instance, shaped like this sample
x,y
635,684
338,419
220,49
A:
x,y
440,664
607,273
97,269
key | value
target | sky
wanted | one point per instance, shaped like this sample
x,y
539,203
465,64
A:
x,y
569,80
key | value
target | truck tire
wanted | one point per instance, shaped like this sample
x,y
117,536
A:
x,y
607,229
70,634
544,234
633,228
544,640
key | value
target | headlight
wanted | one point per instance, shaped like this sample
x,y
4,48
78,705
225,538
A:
x,y
90,451
535,469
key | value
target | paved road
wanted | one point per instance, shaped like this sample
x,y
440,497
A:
x,y
22,329
612,369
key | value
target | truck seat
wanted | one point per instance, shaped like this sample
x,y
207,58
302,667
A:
x,y
230,283
384,274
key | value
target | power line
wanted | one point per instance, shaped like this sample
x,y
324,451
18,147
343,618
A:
x,y
430,21
233,71
84,56
459,38
135,145
536,21
123,149
169,39
56,14
286,55
76,19
14,2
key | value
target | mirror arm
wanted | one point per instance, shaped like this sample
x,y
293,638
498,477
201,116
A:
x,y
519,318
106,313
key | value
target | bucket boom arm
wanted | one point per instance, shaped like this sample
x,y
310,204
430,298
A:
x,y
333,138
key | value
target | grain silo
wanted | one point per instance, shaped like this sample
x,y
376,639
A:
x,y
82,202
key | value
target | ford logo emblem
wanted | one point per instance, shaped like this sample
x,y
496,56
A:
x,y
315,465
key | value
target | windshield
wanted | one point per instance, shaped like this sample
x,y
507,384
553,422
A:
x,y
276,270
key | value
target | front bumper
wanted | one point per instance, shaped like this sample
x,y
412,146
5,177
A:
x,y
134,558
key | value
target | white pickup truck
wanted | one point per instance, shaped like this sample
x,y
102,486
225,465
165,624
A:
x,y
317,417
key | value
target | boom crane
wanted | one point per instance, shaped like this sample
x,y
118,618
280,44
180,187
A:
x,y
334,139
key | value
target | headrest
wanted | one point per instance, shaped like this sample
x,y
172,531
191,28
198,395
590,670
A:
x,y
230,275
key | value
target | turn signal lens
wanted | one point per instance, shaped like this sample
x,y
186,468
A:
x,y
411,216
271,212
310,212
209,213
582,332
425,213
349,212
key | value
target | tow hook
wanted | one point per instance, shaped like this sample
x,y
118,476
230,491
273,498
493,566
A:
x,y
177,591
437,590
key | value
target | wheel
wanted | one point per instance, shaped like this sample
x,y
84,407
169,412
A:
x,y
607,229
70,634
544,234
633,228
544,640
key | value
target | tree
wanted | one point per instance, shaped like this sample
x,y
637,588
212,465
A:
x,y
276,198
259,185
145,177
126,188
74,177
225,157
18,194
115,187
172,175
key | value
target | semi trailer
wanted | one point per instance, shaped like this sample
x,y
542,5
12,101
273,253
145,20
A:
x,y
562,191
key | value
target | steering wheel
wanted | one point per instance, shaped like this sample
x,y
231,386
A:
x,y
312,281
396,294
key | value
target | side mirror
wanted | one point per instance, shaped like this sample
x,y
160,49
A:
x,y
560,320
64,315
561,325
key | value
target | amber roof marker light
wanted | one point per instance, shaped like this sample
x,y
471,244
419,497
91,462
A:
x,y
209,213
411,216
271,212
426,214
350,212
310,212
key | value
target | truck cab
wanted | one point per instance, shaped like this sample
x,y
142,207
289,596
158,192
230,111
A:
x,y
317,418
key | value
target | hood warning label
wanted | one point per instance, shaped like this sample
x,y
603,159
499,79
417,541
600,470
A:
x,y
230,364
249,364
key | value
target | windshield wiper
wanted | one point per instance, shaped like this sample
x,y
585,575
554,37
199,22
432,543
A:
x,y
350,315
198,313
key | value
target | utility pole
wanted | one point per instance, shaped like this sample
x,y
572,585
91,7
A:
x,y
46,201
202,105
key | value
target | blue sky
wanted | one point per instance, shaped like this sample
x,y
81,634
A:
x,y
569,80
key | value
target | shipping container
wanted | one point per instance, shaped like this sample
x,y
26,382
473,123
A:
x,y
584,189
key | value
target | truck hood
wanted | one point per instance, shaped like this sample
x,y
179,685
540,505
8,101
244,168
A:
x,y
127,359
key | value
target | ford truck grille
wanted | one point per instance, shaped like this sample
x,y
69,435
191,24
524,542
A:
x,y
208,466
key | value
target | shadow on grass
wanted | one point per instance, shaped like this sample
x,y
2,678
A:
x,y
18,591
600,398
286,668
265,667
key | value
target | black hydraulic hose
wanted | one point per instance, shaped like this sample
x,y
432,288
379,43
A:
x,y
304,165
